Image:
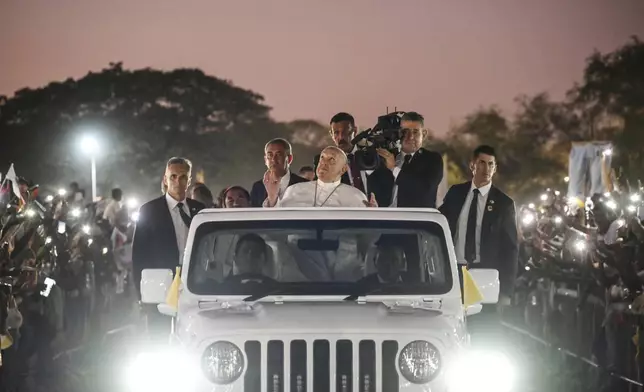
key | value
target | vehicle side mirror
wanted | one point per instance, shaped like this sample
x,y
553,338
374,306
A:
x,y
487,280
154,285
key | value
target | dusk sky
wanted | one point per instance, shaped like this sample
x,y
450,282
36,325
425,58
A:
x,y
311,59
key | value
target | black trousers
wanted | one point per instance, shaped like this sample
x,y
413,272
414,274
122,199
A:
x,y
157,326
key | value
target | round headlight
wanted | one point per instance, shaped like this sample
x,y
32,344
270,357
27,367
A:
x,y
419,362
222,362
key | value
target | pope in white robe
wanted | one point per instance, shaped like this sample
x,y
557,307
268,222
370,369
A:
x,y
326,191
347,262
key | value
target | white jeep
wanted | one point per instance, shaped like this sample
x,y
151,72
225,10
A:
x,y
318,300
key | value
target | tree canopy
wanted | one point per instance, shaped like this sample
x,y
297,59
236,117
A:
x,y
141,118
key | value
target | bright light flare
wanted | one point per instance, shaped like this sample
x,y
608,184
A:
x,y
486,371
75,212
544,197
31,213
566,179
528,218
87,229
49,198
62,192
611,204
89,144
531,206
635,197
608,152
105,250
135,216
558,220
132,202
157,371
631,208
580,245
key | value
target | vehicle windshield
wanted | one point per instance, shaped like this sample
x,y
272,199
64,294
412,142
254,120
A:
x,y
319,257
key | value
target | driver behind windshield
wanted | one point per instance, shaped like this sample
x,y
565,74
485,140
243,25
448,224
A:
x,y
390,262
251,260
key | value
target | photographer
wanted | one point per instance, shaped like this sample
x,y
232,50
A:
x,y
377,181
417,172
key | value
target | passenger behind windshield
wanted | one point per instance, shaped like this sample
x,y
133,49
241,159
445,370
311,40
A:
x,y
319,257
390,266
250,261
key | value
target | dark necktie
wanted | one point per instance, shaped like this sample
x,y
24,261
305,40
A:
x,y
470,237
186,219
406,161
356,176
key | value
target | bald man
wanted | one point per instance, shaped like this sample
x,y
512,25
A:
x,y
326,191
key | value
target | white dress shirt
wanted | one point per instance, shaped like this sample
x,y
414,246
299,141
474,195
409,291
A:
x,y
333,194
461,232
180,228
111,211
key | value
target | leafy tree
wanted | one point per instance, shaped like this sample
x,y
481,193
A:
x,y
529,148
611,95
142,117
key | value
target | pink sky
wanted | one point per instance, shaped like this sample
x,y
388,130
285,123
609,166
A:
x,y
311,59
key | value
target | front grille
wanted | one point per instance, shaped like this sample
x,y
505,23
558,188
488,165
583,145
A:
x,y
306,366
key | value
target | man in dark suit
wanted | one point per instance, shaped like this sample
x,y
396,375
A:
x,y
484,231
278,157
417,172
162,229
378,181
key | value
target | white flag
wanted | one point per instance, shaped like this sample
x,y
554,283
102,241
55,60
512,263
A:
x,y
11,176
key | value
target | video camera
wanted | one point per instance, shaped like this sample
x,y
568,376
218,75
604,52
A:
x,y
385,134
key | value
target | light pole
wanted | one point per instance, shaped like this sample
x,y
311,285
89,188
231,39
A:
x,y
90,147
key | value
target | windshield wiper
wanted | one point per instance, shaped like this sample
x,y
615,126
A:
x,y
258,296
363,293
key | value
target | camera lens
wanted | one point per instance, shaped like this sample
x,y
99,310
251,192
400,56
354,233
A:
x,y
367,158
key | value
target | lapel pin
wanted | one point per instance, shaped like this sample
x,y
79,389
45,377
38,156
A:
x,y
491,201
489,208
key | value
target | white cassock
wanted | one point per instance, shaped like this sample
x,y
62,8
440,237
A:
x,y
320,194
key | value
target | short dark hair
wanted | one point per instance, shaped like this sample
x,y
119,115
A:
x,y
282,142
230,188
307,169
483,149
342,116
413,116
179,161
203,190
250,237
117,194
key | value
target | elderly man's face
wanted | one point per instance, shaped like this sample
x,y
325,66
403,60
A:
x,y
332,165
413,136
